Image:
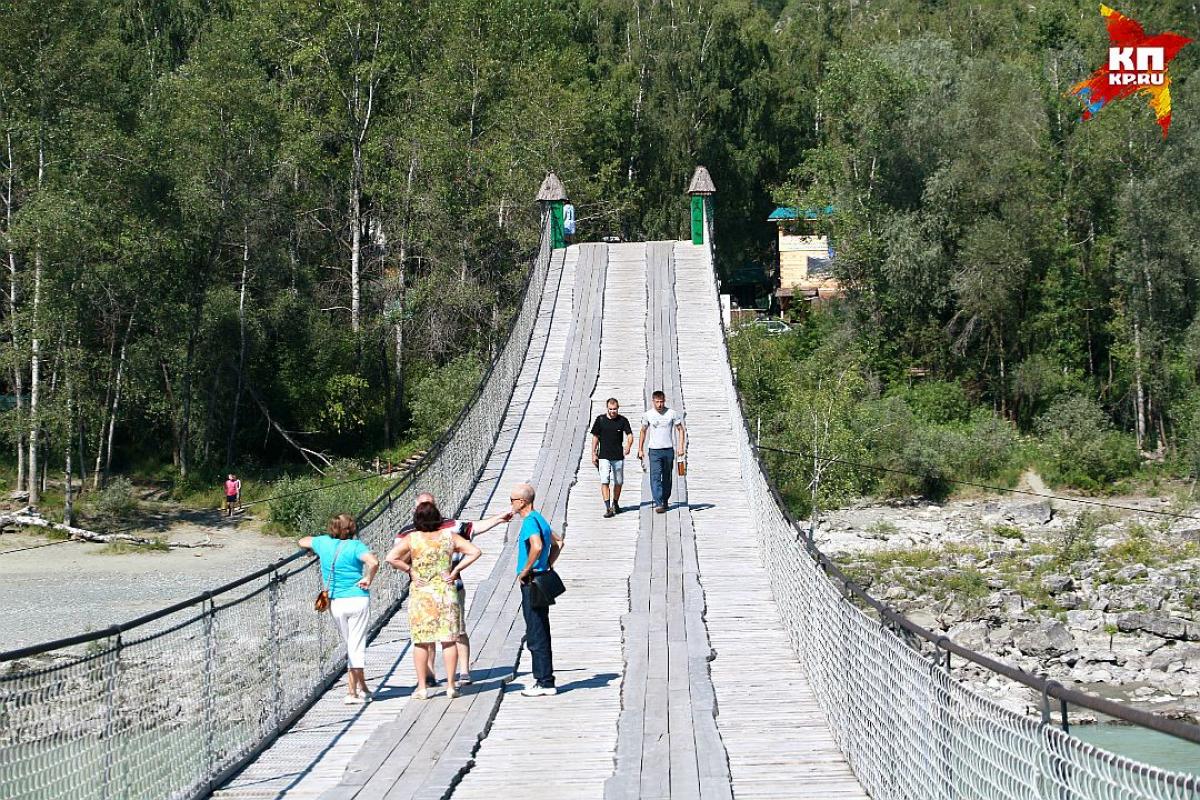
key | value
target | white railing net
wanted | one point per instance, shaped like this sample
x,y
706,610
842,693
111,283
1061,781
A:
x,y
168,709
908,728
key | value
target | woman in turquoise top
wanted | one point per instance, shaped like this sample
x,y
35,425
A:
x,y
347,569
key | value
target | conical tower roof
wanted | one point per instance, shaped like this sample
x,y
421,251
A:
x,y
552,189
701,182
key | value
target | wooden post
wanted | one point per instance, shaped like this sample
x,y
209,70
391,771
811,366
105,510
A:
x,y
553,196
701,190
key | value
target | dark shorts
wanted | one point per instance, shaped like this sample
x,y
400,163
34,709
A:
x,y
231,498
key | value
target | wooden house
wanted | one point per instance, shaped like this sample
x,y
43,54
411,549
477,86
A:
x,y
804,258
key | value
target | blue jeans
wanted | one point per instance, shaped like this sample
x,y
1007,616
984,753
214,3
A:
x,y
662,463
537,637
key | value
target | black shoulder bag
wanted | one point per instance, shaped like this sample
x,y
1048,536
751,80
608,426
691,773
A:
x,y
546,585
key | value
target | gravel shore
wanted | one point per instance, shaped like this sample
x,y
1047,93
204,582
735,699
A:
x,y
72,587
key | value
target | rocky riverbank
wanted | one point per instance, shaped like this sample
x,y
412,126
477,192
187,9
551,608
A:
x,y
1107,602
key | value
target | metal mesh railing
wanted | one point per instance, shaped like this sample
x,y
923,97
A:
x,y
171,704
909,729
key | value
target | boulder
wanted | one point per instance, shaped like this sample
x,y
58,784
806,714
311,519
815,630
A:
x,y
1037,513
1085,620
1098,656
925,620
1056,584
972,635
1001,637
1033,562
1158,624
1007,601
1069,601
1132,572
1175,656
1049,637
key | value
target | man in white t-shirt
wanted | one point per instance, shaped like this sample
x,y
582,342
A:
x,y
663,437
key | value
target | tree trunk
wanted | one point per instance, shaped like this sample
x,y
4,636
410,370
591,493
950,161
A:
x,y
35,354
116,403
237,395
108,390
13,301
398,319
361,107
355,236
68,488
79,445
1003,379
185,427
1139,408
398,368
172,410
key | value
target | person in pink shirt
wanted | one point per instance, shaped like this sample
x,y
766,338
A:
x,y
233,492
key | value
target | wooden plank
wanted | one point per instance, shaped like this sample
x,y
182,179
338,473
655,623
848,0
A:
x,y
739,612
375,783
656,733
439,751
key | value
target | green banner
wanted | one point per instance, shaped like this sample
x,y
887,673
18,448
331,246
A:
x,y
557,240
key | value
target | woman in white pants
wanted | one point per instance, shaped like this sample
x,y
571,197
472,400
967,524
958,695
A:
x,y
347,569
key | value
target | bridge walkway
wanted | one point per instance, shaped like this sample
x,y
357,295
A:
x,y
717,707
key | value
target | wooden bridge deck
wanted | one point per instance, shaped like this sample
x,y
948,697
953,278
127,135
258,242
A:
x,y
676,677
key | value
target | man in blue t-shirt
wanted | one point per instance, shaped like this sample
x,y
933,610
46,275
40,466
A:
x,y
537,549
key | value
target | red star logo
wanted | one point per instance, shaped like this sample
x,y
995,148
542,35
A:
x,y
1136,63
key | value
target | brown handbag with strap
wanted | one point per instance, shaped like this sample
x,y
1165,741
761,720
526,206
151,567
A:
x,y
321,604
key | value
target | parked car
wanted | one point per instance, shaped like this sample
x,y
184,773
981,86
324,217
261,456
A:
x,y
772,326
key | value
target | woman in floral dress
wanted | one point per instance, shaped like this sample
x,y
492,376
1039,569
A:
x,y
434,614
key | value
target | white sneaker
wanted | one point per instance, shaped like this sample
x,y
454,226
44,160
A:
x,y
352,700
534,690
452,692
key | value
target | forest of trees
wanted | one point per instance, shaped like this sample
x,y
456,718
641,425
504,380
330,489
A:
x,y
245,232
248,232
1001,254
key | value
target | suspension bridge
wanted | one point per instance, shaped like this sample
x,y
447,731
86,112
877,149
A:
x,y
708,652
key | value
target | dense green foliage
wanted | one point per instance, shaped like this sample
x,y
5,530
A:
x,y
233,230
999,253
812,392
990,238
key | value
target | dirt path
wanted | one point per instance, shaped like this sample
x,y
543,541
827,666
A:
x,y
71,587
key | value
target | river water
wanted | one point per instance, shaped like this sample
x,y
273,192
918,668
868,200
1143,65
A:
x,y
1149,747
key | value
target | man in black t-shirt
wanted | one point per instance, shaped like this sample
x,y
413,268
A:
x,y
611,440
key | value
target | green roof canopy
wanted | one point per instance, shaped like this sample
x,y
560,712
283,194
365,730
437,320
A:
x,y
783,213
